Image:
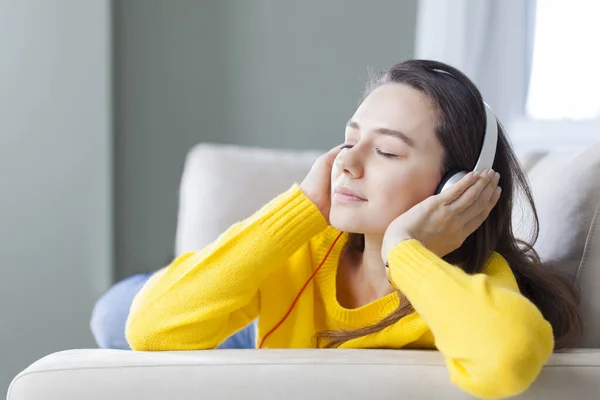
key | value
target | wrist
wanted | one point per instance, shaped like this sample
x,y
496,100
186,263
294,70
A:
x,y
391,242
314,199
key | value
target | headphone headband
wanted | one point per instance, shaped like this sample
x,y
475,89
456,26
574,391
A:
x,y
488,148
490,140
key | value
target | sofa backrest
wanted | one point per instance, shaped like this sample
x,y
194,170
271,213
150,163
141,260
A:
x,y
566,192
222,184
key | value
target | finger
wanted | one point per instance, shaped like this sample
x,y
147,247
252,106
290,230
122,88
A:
x,y
481,202
475,222
471,195
332,154
456,190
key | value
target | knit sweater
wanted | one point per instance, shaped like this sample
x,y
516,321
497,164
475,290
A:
x,y
494,340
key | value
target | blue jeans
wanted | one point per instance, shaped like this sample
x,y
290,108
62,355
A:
x,y
111,310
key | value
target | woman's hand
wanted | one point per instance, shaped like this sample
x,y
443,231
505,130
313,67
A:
x,y
442,222
317,184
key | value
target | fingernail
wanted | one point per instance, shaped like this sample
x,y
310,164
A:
x,y
475,173
498,190
490,173
497,176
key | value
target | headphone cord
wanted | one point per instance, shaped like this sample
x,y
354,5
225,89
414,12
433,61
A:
x,y
262,342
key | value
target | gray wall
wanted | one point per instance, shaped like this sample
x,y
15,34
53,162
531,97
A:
x,y
55,175
263,72
167,68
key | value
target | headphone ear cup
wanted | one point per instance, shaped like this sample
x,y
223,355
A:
x,y
450,179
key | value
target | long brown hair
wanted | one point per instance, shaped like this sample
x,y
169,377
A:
x,y
460,127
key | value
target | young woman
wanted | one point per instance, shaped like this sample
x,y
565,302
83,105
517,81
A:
x,y
364,254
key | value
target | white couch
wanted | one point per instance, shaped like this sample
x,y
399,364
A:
x,y
222,184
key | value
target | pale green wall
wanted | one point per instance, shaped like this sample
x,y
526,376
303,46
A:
x,y
55,176
284,74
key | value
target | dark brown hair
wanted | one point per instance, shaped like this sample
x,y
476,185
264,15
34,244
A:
x,y
460,128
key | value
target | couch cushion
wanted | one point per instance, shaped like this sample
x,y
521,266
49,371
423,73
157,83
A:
x,y
224,184
278,374
566,191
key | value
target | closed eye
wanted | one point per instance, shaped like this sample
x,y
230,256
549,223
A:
x,y
386,155
379,152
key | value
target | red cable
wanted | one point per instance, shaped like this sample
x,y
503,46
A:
x,y
300,292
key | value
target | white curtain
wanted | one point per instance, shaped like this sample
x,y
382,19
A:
x,y
489,40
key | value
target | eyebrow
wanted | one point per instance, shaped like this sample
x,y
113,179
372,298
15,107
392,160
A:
x,y
385,131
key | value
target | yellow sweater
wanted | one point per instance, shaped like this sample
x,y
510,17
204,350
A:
x,y
494,340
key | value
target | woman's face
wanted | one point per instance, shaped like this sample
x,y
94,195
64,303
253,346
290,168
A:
x,y
391,161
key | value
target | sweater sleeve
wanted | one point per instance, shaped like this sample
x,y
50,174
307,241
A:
x,y
202,298
494,340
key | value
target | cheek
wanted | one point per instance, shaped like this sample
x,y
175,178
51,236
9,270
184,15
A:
x,y
400,193
396,197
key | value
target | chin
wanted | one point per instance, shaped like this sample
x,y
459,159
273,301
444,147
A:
x,y
351,221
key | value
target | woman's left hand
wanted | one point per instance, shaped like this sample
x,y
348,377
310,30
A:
x,y
442,222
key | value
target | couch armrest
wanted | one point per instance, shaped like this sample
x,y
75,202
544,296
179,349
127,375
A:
x,y
277,374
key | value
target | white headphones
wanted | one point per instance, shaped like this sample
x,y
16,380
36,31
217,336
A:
x,y
486,157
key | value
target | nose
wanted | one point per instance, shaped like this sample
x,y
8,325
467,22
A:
x,y
348,161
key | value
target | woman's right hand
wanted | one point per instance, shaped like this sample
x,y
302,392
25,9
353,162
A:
x,y
317,183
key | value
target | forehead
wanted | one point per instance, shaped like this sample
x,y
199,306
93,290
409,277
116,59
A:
x,y
397,106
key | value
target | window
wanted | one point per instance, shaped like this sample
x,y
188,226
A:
x,y
565,79
562,103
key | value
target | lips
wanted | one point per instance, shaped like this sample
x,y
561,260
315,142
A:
x,y
347,194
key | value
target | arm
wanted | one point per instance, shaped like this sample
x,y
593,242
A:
x,y
204,297
495,341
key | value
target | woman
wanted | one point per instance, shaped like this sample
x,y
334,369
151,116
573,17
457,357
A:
x,y
417,270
